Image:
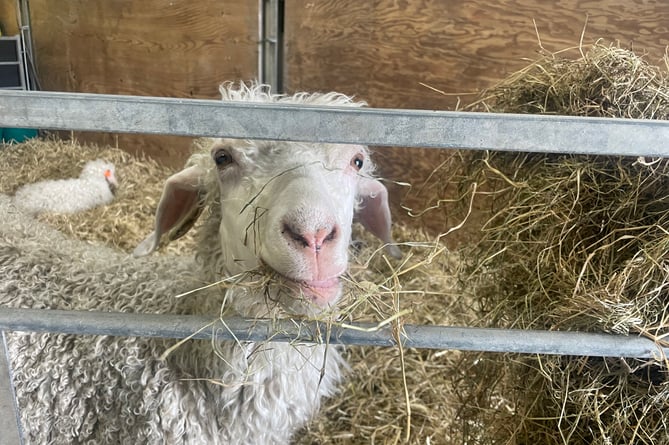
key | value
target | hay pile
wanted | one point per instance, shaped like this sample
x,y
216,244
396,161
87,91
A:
x,y
602,81
575,243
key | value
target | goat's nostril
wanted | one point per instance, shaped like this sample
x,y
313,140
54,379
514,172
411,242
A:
x,y
294,235
331,236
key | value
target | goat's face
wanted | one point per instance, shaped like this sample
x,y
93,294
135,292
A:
x,y
288,207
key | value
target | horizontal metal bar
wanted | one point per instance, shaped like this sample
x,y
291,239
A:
x,y
426,337
410,128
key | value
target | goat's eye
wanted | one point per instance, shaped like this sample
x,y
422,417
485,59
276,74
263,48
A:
x,y
222,158
357,162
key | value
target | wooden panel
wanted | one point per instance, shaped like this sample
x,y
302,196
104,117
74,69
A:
x,y
8,21
382,51
175,48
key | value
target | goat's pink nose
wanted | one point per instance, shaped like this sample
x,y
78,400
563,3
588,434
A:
x,y
312,239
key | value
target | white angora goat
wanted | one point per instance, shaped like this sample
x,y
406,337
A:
x,y
95,186
281,207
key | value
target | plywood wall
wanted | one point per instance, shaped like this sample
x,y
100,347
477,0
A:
x,y
8,19
176,48
383,50
386,51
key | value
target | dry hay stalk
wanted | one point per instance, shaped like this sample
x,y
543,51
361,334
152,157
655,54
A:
x,y
574,243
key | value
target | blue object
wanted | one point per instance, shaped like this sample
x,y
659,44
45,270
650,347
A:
x,y
16,135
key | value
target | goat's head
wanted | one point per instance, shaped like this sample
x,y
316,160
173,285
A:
x,y
283,205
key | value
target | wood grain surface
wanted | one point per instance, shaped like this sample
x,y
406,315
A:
x,y
175,48
385,51
8,21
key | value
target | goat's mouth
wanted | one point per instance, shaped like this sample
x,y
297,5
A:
x,y
322,293
319,293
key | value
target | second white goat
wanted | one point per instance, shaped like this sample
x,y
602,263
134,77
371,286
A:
x,y
95,186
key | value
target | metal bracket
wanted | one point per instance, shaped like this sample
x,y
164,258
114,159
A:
x,y
270,43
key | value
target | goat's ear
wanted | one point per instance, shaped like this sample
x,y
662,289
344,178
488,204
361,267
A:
x,y
180,206
374,212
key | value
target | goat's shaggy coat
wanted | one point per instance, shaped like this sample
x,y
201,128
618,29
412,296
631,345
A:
x,y
282,207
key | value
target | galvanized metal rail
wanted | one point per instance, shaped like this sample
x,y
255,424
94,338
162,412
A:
x,y
409,128
412,336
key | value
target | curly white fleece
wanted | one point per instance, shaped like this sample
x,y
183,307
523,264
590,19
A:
x,y
115,390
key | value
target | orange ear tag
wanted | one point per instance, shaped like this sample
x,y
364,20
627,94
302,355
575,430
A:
x,y
108,173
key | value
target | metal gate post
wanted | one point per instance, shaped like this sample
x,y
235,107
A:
x,y
9,420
